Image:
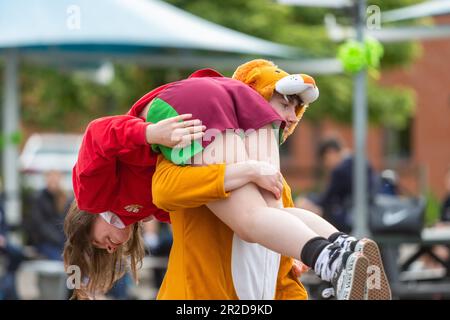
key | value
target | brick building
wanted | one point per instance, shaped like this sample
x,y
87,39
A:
x,y
420,154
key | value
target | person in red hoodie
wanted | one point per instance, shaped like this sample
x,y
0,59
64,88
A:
x,y
112,178
112,181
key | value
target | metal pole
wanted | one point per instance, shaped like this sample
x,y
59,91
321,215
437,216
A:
x,y
10,155
360,134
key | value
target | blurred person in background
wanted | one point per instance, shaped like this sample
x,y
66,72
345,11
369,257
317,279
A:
x,y
158,241
48,209
440,254
442,251
389,183
335,203
121,289
14,256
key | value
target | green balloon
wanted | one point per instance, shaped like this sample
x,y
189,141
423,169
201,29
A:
x,y
374,52
356,56
352,55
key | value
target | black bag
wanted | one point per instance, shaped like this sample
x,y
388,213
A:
x,y
391,214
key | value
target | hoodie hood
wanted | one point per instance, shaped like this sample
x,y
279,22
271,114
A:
x,y
139,105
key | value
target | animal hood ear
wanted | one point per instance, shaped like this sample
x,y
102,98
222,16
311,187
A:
x,y
252,77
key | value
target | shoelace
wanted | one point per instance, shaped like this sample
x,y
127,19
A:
x,y
327,293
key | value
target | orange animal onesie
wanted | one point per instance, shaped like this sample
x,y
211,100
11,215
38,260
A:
x,y
207,260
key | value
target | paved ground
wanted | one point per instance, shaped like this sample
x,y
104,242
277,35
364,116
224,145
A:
x,y
54,286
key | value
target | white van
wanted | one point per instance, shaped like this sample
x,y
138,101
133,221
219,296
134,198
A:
x,y
49,151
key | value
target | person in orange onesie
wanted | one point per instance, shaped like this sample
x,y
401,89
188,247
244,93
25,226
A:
x,y
200,264
225,103
112,184
211,261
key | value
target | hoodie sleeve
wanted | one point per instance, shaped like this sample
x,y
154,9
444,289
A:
x,y
176,187
107,138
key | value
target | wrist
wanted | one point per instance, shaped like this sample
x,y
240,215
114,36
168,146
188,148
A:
x,y
252,170
150,134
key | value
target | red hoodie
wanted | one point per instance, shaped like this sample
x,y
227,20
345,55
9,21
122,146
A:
x,y
115,164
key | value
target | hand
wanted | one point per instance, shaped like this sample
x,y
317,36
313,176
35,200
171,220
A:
x,y
298,268
267,177
172,133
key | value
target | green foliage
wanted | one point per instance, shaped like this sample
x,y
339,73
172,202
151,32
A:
x,y
53,99
401,54
393,4
58,99
392,107
304,27
432,214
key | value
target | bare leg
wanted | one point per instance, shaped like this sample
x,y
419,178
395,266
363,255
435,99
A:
x,y
245,211
266,138
313,221
262,145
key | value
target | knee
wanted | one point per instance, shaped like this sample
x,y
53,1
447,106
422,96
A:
x,y
246,226
245,234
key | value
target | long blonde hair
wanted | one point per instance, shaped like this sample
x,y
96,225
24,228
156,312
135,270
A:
x,y
100,268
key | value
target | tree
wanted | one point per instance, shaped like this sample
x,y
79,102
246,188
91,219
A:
x,y
62,100
303,27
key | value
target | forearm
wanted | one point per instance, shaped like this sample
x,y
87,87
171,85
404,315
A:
x,y
176,187
238,174
107,136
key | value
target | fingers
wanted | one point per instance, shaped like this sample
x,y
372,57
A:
x,y
296,269
188,138
279,185
181,117
194,136
277,190
190,123
194,129
280,191
277,194
280,177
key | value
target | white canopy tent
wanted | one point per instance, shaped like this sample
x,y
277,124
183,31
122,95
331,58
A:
x,y
148,32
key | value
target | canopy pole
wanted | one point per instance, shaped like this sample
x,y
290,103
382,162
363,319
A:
x,y
10,154
360,135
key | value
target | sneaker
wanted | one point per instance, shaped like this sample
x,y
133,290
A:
x,y
377,283
350,281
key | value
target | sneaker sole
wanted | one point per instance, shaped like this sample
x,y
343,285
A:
x,y
370,250
356,269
